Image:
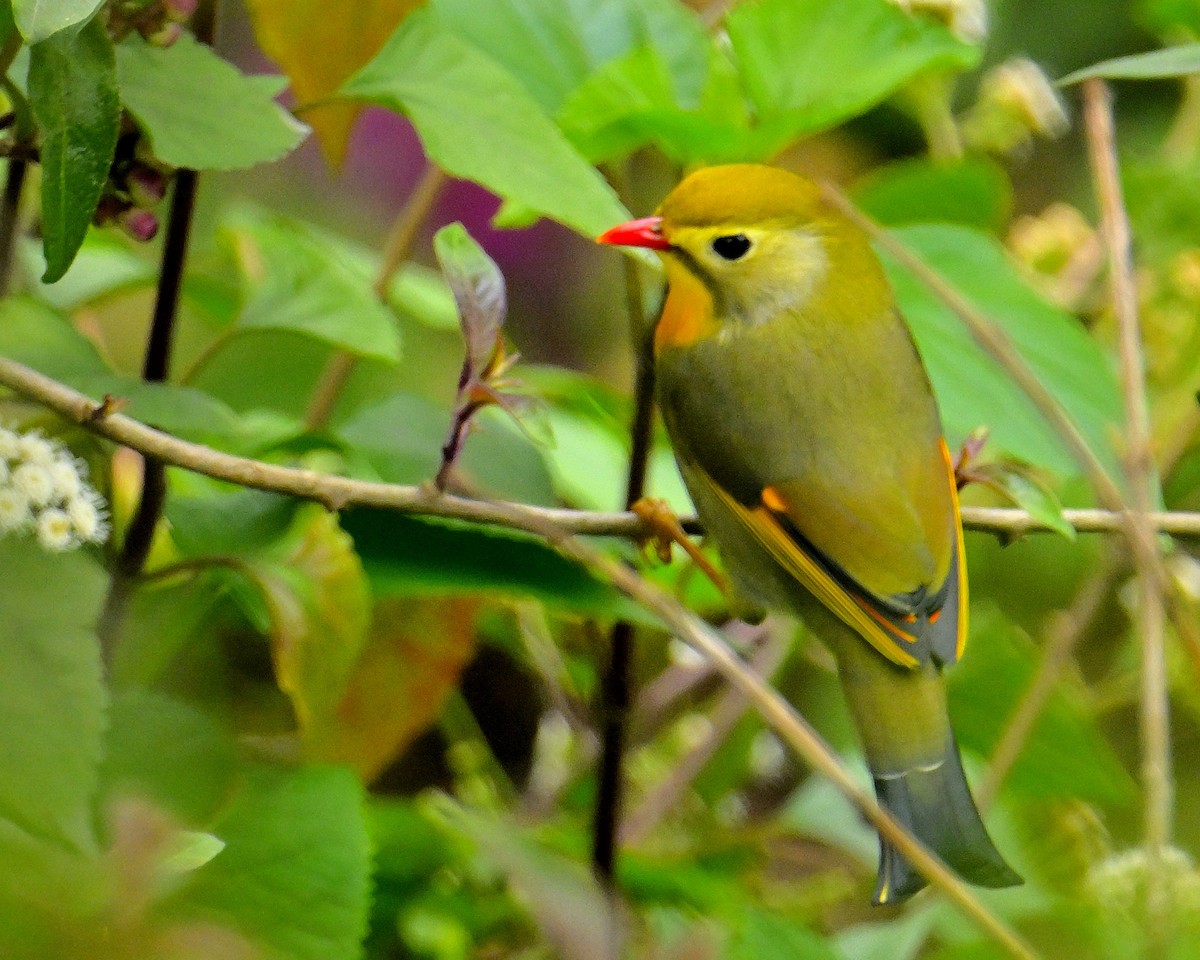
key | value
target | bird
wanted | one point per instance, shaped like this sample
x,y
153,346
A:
x,y
806,431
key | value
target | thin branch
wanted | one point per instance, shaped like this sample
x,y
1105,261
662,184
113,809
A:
x,y
336,493
396,251
1140,471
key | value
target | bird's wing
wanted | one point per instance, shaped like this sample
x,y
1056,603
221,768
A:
x,y
909,627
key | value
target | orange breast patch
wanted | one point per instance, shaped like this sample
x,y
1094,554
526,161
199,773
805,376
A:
x,y
688,313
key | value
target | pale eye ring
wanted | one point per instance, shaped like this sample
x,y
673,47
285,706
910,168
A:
x,y
731,247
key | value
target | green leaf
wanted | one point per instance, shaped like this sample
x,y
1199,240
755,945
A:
x,y
52,697
446,87
1065,755
44,339
105,264
200,111
1028,491
424,295
759,935
170,752
38,19
294,874
630,101
40,337
972,389
298,280
73,91
1167,17
974,193
809,64
1171,62
552,47
406,555
233,523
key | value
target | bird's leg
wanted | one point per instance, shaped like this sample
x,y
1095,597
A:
x,y
664,529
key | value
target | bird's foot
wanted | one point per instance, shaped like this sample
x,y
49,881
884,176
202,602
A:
x,y
663,530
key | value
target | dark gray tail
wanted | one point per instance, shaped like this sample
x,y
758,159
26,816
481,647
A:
x,y
936,806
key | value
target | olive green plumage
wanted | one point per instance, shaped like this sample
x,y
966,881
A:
x,y
806,431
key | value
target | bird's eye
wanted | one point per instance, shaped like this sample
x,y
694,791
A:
x,y
732,247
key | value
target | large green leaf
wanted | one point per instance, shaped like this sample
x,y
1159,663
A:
x,y
974,192
73,91
552,47
294,874
1065,755
201,111
632,100
170,752
971,387
405,555
477,121
809,64
52,698
38,19
1171,62
297,280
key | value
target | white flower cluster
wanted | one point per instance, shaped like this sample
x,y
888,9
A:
x,y
44,489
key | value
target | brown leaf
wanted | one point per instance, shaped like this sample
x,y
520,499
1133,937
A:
x,y
319,44
417,651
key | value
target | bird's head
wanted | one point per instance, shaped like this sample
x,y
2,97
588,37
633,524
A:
x,y
760,240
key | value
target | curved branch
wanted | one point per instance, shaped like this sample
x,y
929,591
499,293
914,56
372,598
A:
x,y
337,493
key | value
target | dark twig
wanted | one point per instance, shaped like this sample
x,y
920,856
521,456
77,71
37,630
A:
x,y
615,693
156,368
14,180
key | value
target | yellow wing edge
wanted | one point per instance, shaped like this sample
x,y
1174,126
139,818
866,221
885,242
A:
x,y
960,557
767,530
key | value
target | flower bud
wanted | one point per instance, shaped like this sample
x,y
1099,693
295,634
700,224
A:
x,y
142,225
1016,102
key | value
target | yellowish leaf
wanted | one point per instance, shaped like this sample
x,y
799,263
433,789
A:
x,y
416,654
320,608
319,44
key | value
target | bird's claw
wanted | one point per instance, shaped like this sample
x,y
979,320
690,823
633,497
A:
x,y
663,530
